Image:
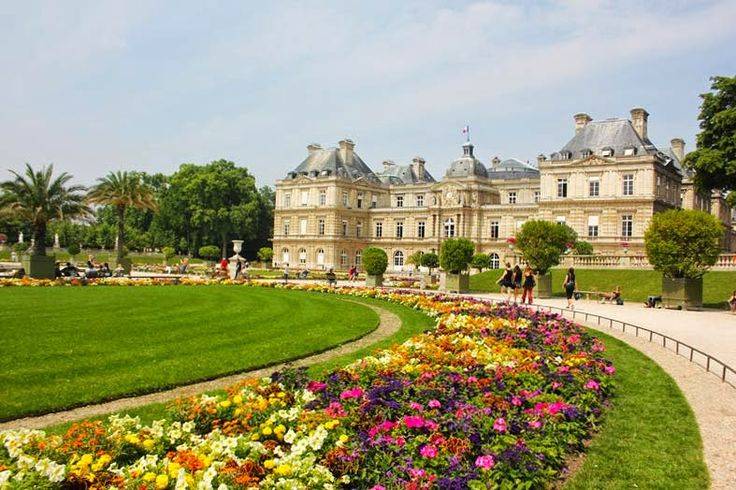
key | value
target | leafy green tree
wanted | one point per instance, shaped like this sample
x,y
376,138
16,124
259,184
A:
x,y
211,252
73,250
265,254
415,259
456,254
583,248
714,159
122,190
683,243
543,242
169,252
430,260
375,261
38,198
480,261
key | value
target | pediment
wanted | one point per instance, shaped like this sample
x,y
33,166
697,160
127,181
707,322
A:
x,y
596,160
448,186
301,179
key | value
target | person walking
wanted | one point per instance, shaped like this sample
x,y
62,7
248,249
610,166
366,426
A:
x,y
286,273
528,285
518,277
570,285
732,302
506,281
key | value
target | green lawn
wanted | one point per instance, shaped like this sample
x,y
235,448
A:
x,y
649,438
69,346
635,284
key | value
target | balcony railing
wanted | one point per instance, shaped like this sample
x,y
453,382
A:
x,y
632,261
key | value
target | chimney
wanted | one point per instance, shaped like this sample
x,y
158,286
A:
x,y
388,163
313,147
495,161
541,158
581,120
678,148
639,120
417,166
346,150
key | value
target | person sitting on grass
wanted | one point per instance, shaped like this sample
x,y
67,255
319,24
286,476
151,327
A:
x,y
331,278
732,302
652,301
613,296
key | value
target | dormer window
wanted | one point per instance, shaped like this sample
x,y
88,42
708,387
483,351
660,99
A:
x,y
565,155
629,151
586,152
607,151
325,173
313,173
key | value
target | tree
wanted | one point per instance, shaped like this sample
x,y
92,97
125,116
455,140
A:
x,y
211,252
265,254
714,159
480,261
37,197
375,261
456,254
583,248
122,190
73,250
169,252
430,260
415,259
683,243
543,242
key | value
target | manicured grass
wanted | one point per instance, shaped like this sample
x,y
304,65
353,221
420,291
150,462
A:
x,y
649,438
69,346
635,284
108,256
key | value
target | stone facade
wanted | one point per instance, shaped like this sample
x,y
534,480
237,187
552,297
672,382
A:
x,y
606,183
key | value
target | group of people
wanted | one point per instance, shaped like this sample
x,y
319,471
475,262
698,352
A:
x,y
242,269
92,269
514,281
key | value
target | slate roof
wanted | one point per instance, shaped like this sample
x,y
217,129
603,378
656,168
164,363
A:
x,y
329,160
512,168
467,165
402,175
617,134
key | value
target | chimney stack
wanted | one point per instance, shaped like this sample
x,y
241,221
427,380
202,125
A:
x,y
495,161
313,147
388,163
581,120
639,120
346,150
417,166
678,148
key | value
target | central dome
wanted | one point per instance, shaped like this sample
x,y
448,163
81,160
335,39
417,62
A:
x,y
467,165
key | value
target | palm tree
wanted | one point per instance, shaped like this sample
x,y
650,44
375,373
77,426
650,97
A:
x,y
38,197
122,190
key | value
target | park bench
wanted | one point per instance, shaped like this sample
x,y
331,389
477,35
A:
x,y
598,295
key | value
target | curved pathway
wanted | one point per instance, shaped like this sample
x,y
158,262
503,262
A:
x,y
388,324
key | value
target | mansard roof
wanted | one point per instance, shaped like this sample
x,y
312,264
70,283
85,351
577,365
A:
x,y
467,165
403,174
512,168
330,162
616,134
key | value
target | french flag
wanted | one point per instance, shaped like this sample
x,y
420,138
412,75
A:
x,y
466,130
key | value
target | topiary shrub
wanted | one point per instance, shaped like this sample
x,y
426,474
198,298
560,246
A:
x,y
583,248
73,249
480,262
430,260
168,252
415,259
543,242
683,243
375,261
21,247
456,254
211,252
265,254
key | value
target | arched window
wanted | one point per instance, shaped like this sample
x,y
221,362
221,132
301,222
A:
x,y
302,255
450,228
495,261
285,255
343,258
358,258
320,257
398,259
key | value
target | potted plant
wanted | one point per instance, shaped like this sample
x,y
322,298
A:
x,y
455,256
430,260
37,197
542,243
170,252
210,252
265,256
375,262
683,245
73,250
480,262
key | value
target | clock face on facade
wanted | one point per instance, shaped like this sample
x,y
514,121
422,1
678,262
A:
x,y
448,195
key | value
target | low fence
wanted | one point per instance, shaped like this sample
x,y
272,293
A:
x,y
632,261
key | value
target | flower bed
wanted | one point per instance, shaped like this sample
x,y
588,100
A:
x,y
494,396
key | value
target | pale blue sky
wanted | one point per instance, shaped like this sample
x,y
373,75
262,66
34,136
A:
x,y
100,86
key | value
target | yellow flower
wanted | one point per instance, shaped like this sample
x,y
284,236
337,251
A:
x,y
148,444
86,460
174,469
149,477
255,436
332,424
162,481
225,403
343,438
237,399
267,431
280,429
132,439
283,470
269,464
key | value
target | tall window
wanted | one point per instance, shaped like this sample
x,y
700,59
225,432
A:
x,y
627,226
398,258
374,201
286,227
303,226
399,201
379,229
344,228
628,185
561,187
495,261
359,228
321,227
359,202
287,200
512,197
494,229
420,229
536,196
285,256
594,187
450,228
302,255
420,200
399,229
322,197
305,197
358,258
345,200
343,258
320,256
593,226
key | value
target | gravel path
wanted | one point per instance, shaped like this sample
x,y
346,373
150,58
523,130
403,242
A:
x,y
388,324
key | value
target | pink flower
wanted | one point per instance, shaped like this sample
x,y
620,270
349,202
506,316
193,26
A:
x,y
414,421
609,370
516,401
400,441
354,393
378,487
315,386
485,461
428,451
416,472
431,425
535,424
472,379
499,425
416,406
434,404
592,385
335,410
556,384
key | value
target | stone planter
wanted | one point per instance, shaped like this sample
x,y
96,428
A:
x,y
126,263
427,280
544,286
682,293
39,266
457,283
374,281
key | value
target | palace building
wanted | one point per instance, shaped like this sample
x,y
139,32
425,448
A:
x,y
606,183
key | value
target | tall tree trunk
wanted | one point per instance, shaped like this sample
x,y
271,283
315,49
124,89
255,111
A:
x,y
121,232
224,244
39,239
